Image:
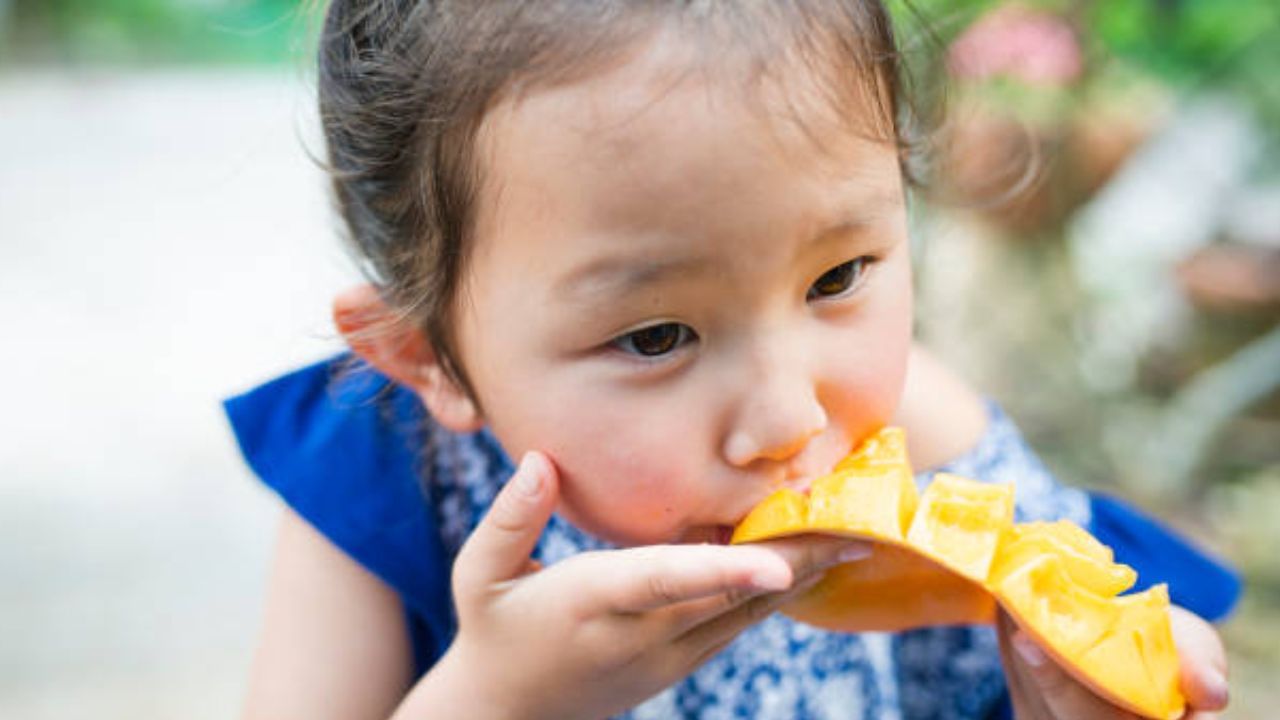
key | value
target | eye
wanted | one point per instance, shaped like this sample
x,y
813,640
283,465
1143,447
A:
x,y
838,280
655,340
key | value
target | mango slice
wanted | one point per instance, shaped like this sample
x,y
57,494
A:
x,y
951,554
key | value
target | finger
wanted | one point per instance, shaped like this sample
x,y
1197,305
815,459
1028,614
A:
x,y
688,615
815,554
1062,696
500,546
1202,661
1027,705
680,619
703,641
671,574
642,579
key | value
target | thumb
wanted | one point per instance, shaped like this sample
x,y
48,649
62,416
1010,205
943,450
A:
x,y
1060,694
499,547
1203,660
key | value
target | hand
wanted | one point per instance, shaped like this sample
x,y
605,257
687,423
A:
x,y
1042,691
602,631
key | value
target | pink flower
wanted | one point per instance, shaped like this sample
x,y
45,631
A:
x,y
1036,47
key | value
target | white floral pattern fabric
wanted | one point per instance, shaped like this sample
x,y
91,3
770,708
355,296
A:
x,y
781,669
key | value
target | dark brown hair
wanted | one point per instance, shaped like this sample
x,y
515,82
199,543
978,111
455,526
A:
x,y
404,86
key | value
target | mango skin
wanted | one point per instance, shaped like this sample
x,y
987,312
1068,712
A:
x,y
953,555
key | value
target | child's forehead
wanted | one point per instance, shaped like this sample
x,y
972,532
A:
x,y
684,176
663,128
652,90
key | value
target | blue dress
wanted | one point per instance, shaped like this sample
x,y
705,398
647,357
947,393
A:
x,y
358,457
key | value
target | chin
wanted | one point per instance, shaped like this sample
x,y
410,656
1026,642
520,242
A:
x,y
615,535
634,537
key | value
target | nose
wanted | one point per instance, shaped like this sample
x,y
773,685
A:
x,y
780,412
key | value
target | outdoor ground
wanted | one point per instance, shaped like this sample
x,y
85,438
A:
x,y
164,242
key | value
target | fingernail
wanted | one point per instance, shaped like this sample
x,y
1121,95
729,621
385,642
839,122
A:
x,y
529,476
1217,689
1031,654
848,553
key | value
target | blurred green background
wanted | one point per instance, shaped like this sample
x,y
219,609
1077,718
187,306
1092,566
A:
x,y
142,32
1099,248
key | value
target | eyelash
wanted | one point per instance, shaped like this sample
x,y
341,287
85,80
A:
x,y
858,266
683,335
672,336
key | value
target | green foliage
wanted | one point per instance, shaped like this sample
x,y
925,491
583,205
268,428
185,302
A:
x,y
1179,41
1228,46
1191,42
131,31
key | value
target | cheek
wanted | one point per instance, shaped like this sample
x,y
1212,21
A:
x,y
627,467
871,369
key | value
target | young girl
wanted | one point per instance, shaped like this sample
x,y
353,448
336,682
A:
x,y
657,251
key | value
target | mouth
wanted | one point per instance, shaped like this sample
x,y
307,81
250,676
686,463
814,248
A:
x,y
707,534
722,534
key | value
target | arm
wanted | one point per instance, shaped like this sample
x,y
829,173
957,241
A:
x,y
333,642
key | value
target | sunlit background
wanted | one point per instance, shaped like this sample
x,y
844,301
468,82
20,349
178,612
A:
x,y
1099,250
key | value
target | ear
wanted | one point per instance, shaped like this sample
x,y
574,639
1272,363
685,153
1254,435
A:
x,y
400,350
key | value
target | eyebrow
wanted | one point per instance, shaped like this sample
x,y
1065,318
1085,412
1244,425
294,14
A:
x,y
620,274
615,275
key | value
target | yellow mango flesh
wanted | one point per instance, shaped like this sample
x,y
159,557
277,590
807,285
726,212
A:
x,y
1071,619
960,522
1139,655
1086,561
951,554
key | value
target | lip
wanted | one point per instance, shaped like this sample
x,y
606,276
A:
x,y
801,485
800,482
799,476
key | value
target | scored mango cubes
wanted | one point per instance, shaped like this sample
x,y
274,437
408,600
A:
x,y
949,555
960,522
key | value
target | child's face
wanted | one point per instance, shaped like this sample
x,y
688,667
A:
x,y
685,303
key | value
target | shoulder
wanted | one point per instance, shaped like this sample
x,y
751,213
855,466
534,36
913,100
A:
x,y
341,446
944,417
337,442
953,429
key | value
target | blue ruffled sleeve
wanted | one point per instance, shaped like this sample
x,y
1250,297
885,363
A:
x,y
1198,582
340,447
